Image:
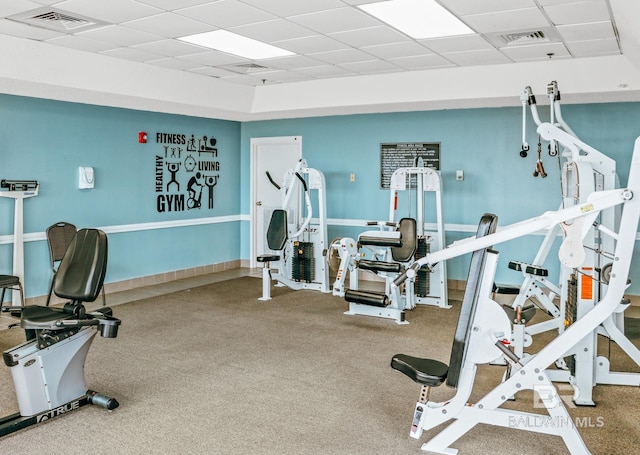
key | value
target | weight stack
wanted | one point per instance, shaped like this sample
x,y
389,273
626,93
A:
x,y
423,277
303,264
571,314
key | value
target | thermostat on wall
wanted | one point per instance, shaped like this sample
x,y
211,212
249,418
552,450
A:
x,y
86,177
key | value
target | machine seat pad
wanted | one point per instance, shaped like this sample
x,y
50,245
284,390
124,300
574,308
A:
x,y
268,258
380,241
528,268
429,372
528,312
379,266
42,317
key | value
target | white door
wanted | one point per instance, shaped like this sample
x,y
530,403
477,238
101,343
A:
x,y
275,155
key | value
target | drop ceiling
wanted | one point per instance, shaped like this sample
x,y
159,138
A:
x,y
332,40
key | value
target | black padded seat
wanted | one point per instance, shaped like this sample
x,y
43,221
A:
x,y
528,268
42,317
429,372
268,258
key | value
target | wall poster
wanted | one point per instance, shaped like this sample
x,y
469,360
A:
x,y
405,154
186,171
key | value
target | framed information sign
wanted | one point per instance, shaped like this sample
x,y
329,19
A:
x,y
406,154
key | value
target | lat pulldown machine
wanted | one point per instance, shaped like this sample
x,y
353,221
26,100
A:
x,y
297,241
48,370
584,171
395,246
483,328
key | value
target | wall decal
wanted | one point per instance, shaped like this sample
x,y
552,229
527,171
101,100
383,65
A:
x,y
186,166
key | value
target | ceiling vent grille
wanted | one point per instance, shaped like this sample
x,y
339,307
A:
x,y
57,20
525,38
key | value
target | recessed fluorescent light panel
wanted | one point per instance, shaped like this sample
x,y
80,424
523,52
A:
x,y
419,19
232,43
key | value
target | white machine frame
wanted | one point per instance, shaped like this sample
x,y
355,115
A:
x,y
490,326
301,181
584,171
426,180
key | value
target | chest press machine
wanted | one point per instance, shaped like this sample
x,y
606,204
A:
x,y
392,248
483,328
584,171
298,243
48,369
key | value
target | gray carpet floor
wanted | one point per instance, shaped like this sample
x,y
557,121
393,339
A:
x,y
213,370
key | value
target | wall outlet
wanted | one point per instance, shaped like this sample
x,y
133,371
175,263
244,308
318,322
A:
x,y
352,177
459,175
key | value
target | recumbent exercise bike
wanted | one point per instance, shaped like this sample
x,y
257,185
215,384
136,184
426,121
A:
x,y
48,369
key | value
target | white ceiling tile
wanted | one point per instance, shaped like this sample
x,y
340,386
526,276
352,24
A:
x,y
116,34
114,11
129,53
536,52
342,56
213,58
369,36
336,20
457,44
362,2
8,8
594,48
226,13
474,58
170,5
420,62
324,71
286,8
211,71
520,19
169,47
370,67
169,25
583,32
271,31
387,51
310,44
291,62
80,43
174,63
578,13
466,7
20,30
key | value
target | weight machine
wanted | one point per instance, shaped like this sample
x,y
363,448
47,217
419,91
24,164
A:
x,y
18,190
48,369
392,248
297,241
583,172
483,330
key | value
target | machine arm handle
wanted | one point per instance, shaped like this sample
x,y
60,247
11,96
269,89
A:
x,y
272,181
304,184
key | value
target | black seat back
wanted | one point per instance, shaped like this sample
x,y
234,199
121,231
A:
x,y
470,300
408,234
82,270
277,230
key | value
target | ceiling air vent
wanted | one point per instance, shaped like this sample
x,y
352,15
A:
x,y
525,38
58,20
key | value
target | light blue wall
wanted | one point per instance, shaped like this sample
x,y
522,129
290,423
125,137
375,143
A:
x,y
47,140
485,143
